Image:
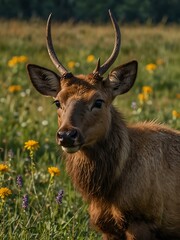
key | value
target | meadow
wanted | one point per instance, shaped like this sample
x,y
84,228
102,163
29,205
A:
x,y
37,198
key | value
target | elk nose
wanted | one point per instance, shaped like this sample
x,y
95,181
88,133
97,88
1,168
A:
x,y
67,138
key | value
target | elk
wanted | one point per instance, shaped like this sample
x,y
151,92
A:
x,y
128,174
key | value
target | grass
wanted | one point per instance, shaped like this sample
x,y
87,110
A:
x,y
25,115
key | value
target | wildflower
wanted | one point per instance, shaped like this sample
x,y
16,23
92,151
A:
x,y
25,202
144,95
4,168
141,98
40,109
44,122
60,197
147,90
19,181
151,67
17,59
31,145
54,171
175,114
71,64
90,58
4,192
22,59
134,105
14,88
178,95
13,61
10,154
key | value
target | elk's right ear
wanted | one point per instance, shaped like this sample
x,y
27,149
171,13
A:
x,y
44,80
123,77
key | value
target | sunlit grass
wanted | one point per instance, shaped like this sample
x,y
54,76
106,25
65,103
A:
x,y
41,202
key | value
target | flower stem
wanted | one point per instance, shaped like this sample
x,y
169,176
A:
x,y
51,181
33,168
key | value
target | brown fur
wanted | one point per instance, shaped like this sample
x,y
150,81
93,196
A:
x,y
129,175
137,196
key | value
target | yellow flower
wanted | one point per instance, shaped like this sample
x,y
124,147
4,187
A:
x,y
175,114
17,59
4,192
141,98
54,171
4,168
90,58
14,88
178,95
22,59
147,89
144,95
31,145
71,64
151,67
13,61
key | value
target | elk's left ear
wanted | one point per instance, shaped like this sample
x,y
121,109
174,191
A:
x,y
123,77
44,80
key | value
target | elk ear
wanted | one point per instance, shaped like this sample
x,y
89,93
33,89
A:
x,y
123,77
44,80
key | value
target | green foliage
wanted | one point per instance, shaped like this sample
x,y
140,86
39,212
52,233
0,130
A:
x,y
94,11
25,115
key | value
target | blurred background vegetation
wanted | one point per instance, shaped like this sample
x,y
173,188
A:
x,y
154,11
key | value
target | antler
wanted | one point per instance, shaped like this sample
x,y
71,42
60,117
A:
x,y
99,69
117,43
51,51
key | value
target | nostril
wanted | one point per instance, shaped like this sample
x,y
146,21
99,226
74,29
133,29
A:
x,y
72,134
65,135
60,135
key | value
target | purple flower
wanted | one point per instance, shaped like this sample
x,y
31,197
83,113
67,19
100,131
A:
x,y
25,202
60,197
19,181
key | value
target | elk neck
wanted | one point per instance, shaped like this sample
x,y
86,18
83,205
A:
x,y
96,169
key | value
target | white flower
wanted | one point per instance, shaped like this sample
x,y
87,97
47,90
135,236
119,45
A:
x,y
40,108
44,122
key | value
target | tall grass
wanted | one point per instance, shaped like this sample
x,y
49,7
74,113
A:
x,y
25,115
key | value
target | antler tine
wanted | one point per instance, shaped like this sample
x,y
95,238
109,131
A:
x,y
50,49
116,49
97,66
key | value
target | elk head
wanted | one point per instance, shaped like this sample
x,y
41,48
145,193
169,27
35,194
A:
x,y
83,102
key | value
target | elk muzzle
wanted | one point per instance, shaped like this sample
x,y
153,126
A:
x,y
70,140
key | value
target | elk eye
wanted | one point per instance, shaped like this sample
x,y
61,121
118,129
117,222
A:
x,y
57,103
98,103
